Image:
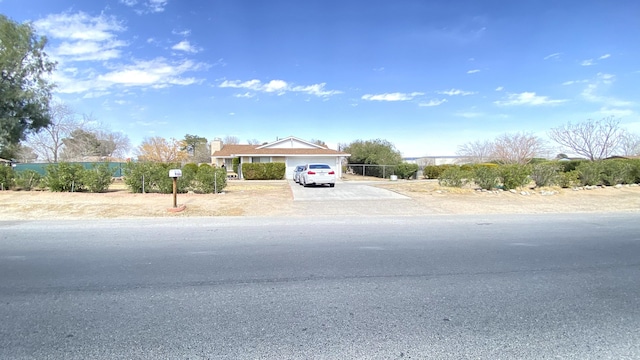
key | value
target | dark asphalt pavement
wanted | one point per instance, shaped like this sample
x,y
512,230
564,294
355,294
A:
x,y
439,287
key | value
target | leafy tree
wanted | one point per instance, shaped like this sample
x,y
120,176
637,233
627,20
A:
x,y
374,152
592,139
25,89
158,149
197,148
80,145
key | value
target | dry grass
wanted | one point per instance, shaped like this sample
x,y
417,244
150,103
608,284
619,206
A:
x,y
274,198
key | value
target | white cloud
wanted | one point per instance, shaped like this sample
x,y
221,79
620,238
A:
x,y
571,82
454,92
554,56
246,95
527,98
279,87
617,113
593,91
473,71
391,96
83,37
500,88
129,2
186,46
184,33
157,73
434,102
156,5
590,62
79,26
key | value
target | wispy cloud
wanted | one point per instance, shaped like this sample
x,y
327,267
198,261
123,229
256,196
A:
x,y
473,71
456,92
594,92
184,33
590,62
434,102
500,88
150,6
397,96
279,87
554,56
185,46
527,99
469,115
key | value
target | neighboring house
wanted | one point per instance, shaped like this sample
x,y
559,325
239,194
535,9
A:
x,y
291,151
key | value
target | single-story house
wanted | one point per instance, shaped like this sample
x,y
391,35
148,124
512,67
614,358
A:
x,y
291,151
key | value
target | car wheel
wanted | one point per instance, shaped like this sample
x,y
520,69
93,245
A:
x,y
332,185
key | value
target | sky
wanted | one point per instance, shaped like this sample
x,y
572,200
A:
x,y
428,76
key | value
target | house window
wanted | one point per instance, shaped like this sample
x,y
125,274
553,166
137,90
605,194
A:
x,y
261,159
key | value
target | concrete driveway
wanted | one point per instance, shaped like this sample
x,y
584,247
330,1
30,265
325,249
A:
x,y
343,191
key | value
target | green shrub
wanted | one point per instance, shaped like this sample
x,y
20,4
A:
x,y
263,171
570,165
590,173
568,179
486,177
514,176
210,180
137,176
635,170
28,179
64,177
406,170
434,171
545,173
7,176
98,178
454,176
617,171
235,163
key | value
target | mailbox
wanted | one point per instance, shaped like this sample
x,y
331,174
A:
x,y
174,173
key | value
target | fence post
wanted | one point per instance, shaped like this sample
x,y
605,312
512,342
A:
x,y
143,183
215,182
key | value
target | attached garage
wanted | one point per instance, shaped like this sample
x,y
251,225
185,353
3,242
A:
x,y
292,151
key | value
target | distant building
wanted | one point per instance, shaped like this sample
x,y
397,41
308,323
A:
x,y
435,160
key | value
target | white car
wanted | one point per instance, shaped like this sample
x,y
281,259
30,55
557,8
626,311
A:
x,y
297,172
318,174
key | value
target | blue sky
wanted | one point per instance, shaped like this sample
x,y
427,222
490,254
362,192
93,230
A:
x,y
426,75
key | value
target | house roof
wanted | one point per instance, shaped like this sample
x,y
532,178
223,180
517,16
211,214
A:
x,y
258,150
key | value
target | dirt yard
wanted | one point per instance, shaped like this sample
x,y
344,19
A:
x,y
274,198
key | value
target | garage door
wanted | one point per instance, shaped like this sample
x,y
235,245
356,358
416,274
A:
x,y
292,162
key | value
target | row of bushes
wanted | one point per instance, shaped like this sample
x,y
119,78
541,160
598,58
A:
x,y
59,178
550,173
154,177
139,177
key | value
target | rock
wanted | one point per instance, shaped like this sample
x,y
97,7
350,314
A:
x,y
618,186
524,193
513,191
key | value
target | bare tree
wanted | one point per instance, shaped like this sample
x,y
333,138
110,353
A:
x,y
592,139
476,151
254,142
231,140
517,148
113,144
47,144
630,144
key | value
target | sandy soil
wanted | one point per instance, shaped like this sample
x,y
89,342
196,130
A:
x,y
274,198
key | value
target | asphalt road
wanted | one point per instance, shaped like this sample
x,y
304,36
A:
x,y
439,287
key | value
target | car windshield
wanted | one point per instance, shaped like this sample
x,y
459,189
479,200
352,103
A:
x,y
319,166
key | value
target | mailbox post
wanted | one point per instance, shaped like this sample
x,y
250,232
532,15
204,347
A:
x,y
175,174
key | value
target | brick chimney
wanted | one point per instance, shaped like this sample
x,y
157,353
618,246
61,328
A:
x,y
216,145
